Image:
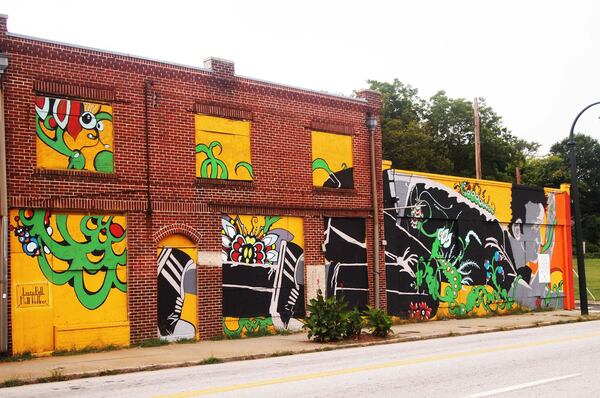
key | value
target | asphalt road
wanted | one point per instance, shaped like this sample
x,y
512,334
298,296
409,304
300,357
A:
x,y
559,361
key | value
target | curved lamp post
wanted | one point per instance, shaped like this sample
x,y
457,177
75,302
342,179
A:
x,y
577,215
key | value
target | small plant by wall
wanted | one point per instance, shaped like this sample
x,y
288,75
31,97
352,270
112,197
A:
x,y
355,323
328,319
331,320
378,322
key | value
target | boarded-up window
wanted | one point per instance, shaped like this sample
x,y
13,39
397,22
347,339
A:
x,y
223,148
73,134
332,160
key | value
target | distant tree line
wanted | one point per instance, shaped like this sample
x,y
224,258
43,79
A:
x,y
436,135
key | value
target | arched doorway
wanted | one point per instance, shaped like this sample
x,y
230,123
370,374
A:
x,y
177,302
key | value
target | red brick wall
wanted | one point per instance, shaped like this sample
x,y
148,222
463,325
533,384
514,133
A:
x,y
280,148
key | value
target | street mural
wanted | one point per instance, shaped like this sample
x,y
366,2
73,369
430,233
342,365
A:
x,y
176,292
223,148
332,160
73,134
346,257
457,247
263,274
68,269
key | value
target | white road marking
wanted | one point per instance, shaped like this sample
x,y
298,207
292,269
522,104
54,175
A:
x,y
521,386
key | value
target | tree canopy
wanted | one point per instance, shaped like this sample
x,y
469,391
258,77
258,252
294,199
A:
x,y
437,135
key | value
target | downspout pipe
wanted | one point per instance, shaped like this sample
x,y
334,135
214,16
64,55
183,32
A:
x,y
4,216
147,87
371,123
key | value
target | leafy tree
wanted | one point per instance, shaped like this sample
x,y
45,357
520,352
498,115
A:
x,y
406,140
438,135
501,151
553,170
400,102
547,171
411,147
587,155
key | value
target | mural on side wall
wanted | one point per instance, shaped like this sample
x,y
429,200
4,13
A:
x,y
263,274
223,148
176,294
332,160
68,269
453,249
346,256
73,134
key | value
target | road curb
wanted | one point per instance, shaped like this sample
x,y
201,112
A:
x,y
325,347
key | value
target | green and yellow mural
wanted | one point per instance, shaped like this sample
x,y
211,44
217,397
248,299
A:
x,y
263,274
73,134
332,160
176,295
459,247
223,148
68,280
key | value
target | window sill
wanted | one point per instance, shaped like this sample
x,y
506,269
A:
x,y
216,182
85,174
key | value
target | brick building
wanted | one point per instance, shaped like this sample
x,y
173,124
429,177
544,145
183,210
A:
x,y
144,199
151,199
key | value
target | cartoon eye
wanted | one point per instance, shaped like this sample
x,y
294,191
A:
x,y
87,120
100,126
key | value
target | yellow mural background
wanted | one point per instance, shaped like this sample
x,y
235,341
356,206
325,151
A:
x,y
64,323
234,136
189,311
335,149
49,158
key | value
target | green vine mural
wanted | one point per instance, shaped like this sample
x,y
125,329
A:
x,y
93,255
213,167
248,326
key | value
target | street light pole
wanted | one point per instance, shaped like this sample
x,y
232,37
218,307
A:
x,y
583,301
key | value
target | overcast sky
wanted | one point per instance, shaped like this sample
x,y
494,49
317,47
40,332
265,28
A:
x,y
537,63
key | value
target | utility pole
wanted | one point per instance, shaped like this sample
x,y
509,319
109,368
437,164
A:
x,y
477,140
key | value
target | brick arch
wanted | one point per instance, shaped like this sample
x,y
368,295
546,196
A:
x,y
177,229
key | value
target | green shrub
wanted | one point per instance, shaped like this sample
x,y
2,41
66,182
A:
x,y
378,322
355,323
328,319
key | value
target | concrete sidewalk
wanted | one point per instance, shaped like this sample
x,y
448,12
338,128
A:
x,y
173,355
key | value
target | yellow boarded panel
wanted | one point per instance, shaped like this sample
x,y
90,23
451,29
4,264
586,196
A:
x,y
72,134
177,257
68,273
92,335
331,156
32,326
223,148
